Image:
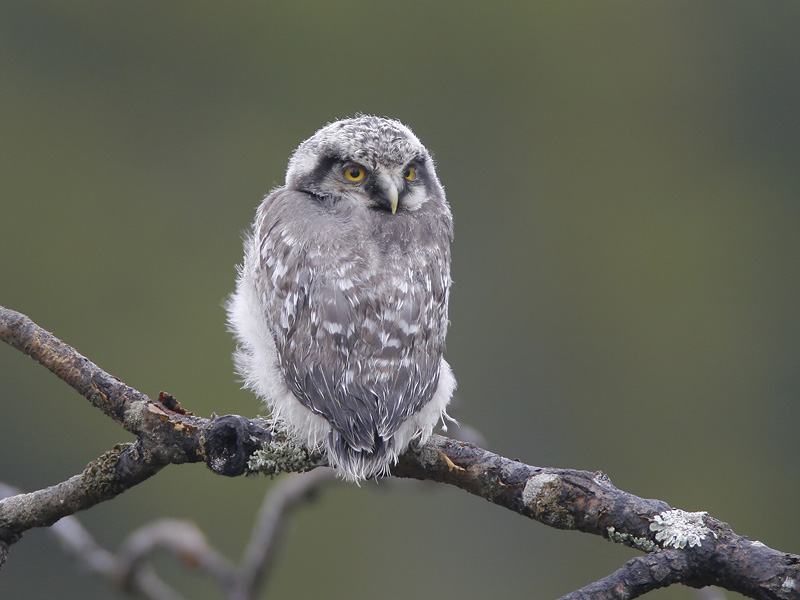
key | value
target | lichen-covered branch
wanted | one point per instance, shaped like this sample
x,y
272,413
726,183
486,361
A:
x,y
694,548
115,399
589,502
124,404
166,434
117,470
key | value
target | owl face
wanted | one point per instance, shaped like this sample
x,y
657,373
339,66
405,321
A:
x,y
378,163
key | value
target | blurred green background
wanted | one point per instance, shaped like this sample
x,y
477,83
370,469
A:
x,y
625,180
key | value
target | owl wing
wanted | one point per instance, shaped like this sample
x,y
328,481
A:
x,y
359,335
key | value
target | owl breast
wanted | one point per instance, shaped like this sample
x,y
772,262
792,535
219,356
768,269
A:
x,y
358,312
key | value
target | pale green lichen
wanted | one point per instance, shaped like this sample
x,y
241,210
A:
x,y
280,456
679,528
643,544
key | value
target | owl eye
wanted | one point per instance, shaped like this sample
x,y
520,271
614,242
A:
x,y
354,173
410,173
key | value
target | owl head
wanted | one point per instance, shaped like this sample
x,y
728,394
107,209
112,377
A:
x,y
372,160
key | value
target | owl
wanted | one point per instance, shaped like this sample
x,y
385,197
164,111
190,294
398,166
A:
x,y
340,308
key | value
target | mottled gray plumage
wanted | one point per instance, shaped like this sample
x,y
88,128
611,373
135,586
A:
x,y
340,308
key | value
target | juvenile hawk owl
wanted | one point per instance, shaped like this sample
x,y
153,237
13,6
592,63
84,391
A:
x,y
340,308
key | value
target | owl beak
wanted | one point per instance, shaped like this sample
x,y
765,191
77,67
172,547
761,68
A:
x,y
387,192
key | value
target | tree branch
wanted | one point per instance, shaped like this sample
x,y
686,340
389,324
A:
x,y
638,576
182,539
130,567
166,433
589,502
689,548
80,544
117,470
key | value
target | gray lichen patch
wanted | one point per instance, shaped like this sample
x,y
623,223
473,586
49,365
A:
x,y
678,528
136,416
541,495
431,452
535,487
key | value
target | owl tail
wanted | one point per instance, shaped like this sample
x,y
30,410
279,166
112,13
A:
x,y
353,465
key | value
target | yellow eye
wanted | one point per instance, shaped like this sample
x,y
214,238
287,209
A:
x,y
410,173
354,173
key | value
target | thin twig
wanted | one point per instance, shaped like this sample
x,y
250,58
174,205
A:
x,y
182,539
270,529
